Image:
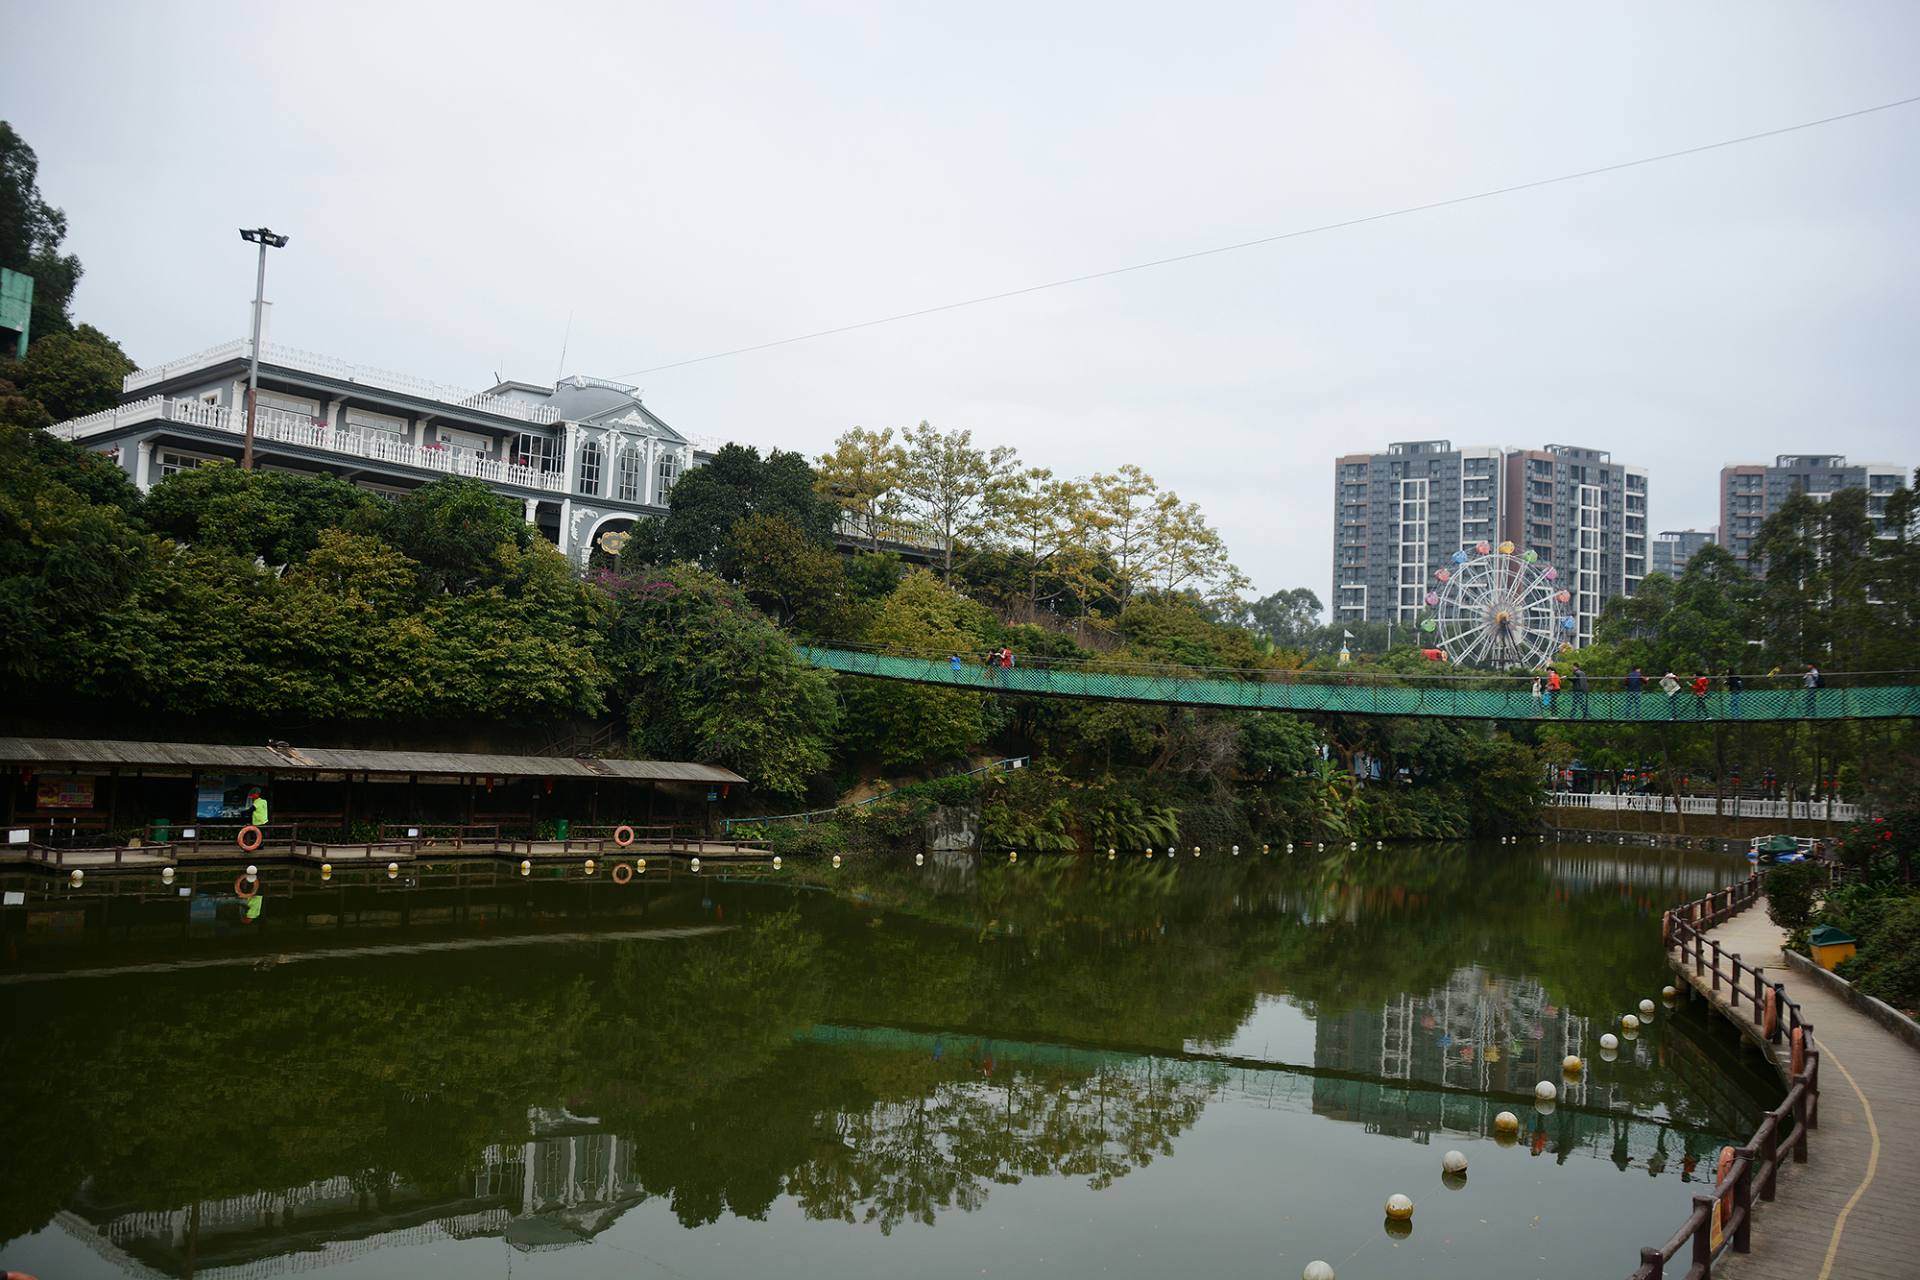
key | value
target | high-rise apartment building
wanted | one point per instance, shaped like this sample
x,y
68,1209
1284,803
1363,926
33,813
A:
x,y
1673,548
1750,492
1399,515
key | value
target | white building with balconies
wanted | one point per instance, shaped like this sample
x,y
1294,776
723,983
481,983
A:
x,y
584,456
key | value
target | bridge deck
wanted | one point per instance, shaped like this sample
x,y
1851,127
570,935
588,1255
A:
x,y
1455,699
1849,1210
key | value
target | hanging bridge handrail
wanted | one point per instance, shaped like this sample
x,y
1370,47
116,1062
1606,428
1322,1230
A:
x,y
1754,1171
1448,697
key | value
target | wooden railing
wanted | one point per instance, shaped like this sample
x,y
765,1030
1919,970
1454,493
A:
x,y
1725,1218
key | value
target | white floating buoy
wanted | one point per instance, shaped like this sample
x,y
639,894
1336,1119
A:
x,y
1545,1091
591,866
1399,1208
1629,1023
1353,844
1503,839
1289,846
1012,856
1668,993
1506,1122
1322,847
1196,851
776,862
1267,848
1111,855
326,871
1609,1041
1236,851
695,864
1169,851
253,872
1317,1270
393,870
1646,1008
77,876
1149,853
919,859
1609,1055
836,859
1379,844
526,867
166,873
1454,1162
1572,1065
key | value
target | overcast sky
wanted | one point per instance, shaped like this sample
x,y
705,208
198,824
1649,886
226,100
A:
x,y
461,179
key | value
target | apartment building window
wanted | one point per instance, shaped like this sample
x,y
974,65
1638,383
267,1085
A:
x,y
628,470
669,471
590,459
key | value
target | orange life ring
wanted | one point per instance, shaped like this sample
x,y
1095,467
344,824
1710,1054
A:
x,y
250,830
1666,928
622,873
623,835
1770,1012
1799,1055
1722,1171
240,886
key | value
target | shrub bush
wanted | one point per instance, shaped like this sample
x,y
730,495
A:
x,y
1887,965
1790,894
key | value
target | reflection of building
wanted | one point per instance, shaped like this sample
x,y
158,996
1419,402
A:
x,y
564,1185
583,455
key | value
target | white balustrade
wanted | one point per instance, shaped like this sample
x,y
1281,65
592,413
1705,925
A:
x,y
312,433
1731,806
333,367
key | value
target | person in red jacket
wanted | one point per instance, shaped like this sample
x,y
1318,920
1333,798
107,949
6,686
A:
x,y
1553,687
1700,686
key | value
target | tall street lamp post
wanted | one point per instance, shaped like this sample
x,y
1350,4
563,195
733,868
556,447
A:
x,y
266,240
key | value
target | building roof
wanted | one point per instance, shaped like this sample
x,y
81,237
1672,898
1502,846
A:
x,y
113,753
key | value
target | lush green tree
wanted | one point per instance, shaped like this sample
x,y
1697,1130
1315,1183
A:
x,y
31,232
1291,619
454,529
18,409
75,373
709,502
909,725
863,476
71,562
274,515
953,488
702,676
800,583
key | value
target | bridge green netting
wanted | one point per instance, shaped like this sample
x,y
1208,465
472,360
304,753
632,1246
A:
x,y
1454,699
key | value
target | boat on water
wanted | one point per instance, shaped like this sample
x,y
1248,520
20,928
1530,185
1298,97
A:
x,y
1782,849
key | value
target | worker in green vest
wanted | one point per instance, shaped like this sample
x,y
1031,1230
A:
x,y
258,805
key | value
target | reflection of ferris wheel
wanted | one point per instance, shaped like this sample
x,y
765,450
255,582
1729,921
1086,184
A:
x,y
1497,609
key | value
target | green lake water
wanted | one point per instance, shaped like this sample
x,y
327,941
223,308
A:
x,y
1220,1067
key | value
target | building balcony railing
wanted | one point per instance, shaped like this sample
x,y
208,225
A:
x,y
291,428
328,366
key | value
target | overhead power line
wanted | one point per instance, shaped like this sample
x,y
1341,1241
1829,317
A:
x,y
1295,234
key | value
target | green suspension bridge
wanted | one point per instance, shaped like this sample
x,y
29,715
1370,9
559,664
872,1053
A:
x,y
1482,697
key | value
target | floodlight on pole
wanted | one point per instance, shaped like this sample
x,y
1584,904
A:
x,y
266,239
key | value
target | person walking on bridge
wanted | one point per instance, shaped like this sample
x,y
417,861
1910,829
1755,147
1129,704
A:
x,y
1634,681
1700,686
1735,683
1580,691
1553,686
1670,685
1810,682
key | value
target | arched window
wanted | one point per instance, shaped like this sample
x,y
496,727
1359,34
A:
x,y
669,469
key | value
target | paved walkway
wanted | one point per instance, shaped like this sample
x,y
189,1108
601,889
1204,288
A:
x,y
1853,1210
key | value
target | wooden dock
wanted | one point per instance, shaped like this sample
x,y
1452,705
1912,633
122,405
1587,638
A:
x,y
1849,1210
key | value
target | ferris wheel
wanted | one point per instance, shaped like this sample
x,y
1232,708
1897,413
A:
x,y
1493,608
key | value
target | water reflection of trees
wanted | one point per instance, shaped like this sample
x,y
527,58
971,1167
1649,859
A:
x,y
161,1091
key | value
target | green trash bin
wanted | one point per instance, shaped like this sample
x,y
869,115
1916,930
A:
x,y
560,828
162,830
